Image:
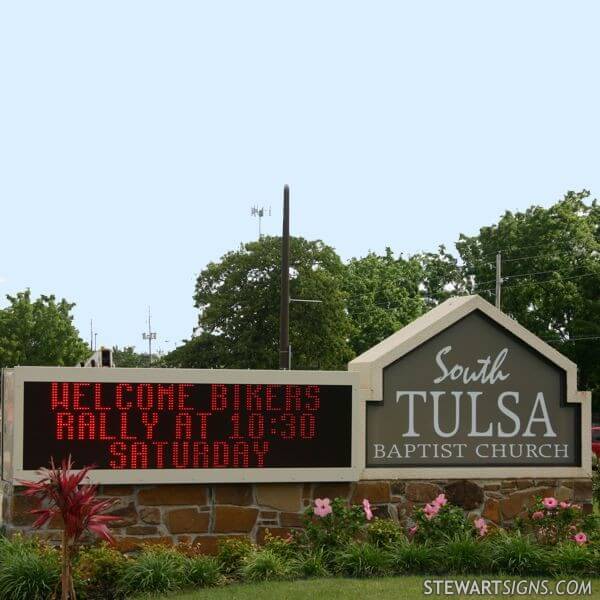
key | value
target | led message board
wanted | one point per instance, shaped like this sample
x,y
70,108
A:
x,y
169,425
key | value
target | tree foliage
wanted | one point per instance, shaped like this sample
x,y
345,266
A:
x,y
128,357
238,299
383,295
39,332
551,276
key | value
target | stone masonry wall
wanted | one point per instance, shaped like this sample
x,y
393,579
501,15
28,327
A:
x,y
204,514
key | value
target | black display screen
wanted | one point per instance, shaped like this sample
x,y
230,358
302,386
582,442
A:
x,y
187,425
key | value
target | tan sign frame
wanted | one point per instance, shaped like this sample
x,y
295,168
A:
x,y
370,365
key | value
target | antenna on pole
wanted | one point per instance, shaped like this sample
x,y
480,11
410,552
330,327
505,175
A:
x,y
261,212
151,335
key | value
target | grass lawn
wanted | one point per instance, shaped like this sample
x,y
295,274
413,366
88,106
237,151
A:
x,y
394,588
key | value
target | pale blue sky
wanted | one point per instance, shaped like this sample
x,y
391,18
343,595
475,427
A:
x,y
135,135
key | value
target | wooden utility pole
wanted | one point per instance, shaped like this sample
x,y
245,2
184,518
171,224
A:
x,y
284,313
499,281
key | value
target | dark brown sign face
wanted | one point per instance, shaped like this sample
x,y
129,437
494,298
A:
x,y
473,395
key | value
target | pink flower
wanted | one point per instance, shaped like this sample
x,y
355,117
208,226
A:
x,y
481,525
580,538
367,509
441,500
413,530
537,515
431,510
550,503
323,507
565,505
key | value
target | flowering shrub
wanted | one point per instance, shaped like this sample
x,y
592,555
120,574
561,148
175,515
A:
x,y
552,522
439,521
333,524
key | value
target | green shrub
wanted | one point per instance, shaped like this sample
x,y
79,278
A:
x,y
363,560
517,554
156,570
570,559
98,571
335,530
29,570
448,522
232,553
202,571
285,547
465,555
411,558
266,565
314,564
385,533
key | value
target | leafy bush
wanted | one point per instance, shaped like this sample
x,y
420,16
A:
x,y
29,570
439,521
553,522
98,572
155,570
363,560
314,564
266,565
385,533
331,525
517,554
203,571
464,554
285,547
232,553
412,558
569,558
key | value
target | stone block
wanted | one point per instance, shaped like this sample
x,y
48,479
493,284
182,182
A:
x,y
582,490
131,544
398,488
519,502
491,510
382,511
234,493
523,484
150,515
21,510
376,492
464,493
282,496
127,515
291,519
141,530
331,490
174,494
233,519
187,520
420,491
268,514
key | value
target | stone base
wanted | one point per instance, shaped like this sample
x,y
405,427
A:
x,y
204,514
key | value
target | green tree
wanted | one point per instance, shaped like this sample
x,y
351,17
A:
x,y
39,332
383,295
551,276
128,357
443,277
238,299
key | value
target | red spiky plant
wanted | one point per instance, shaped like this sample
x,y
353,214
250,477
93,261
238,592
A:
x,y
63,493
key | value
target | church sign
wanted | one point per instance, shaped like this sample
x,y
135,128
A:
x,y
466,391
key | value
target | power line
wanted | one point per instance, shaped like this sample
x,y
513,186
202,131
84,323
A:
x,y
588,274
